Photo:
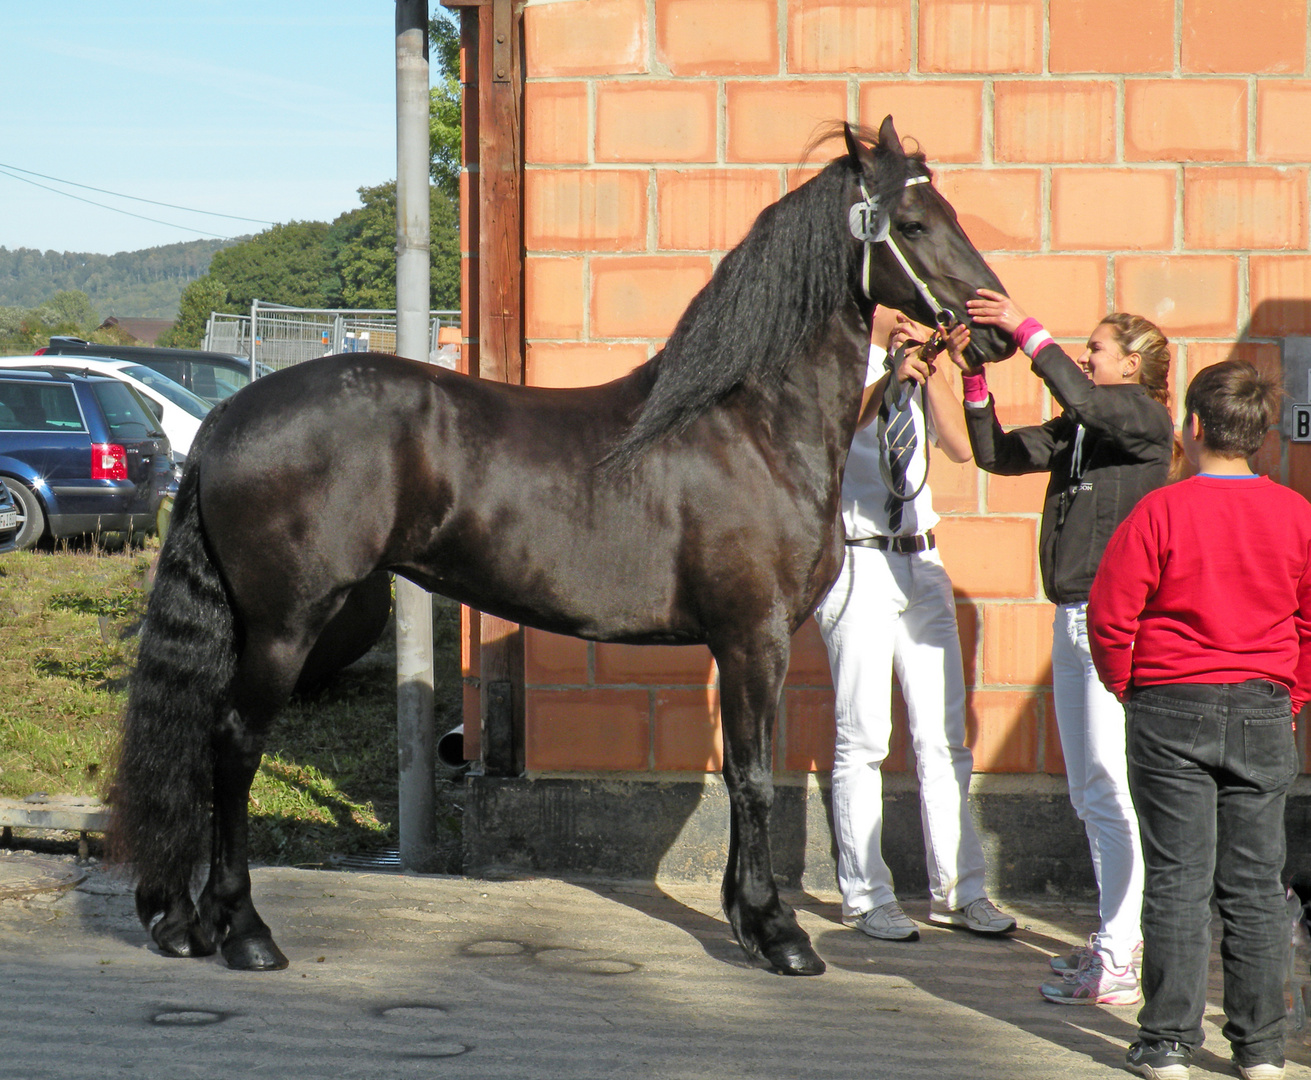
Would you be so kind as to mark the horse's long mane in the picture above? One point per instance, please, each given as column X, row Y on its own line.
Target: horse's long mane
column 766, row 301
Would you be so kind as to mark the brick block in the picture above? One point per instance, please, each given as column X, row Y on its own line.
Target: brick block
column 1066, row 293
column 1017, row 644
column 848, row 36
column 643, row 297
column 944, row 119
column 1245, row 207
column 1282, row 133
column 1238, row 36
column 554, row 659
column 1018, row 394
column 959, row 36
column 728, row 37
column 657, row 121
column 654, row 665
column 1265, row 357
column 1017, row 494
column 688, row 737
column 585, row 210
column 555, row 123
column 711, row 209
column 571, row 730
column 1185, row 295
column 1001, row 727
column 967, row 630
column 587, row 37
column 808, row 663
column 774, row 121
column 810, row 729
column 1111, row 36
column 1278, row 290
column 955, row 487
column 1299, row 472
column 1113, row 209
column 1051, row 121
column 554, row 305
column 1185, row 120
column 999, row 209
column 990, row 557
column 580, row 363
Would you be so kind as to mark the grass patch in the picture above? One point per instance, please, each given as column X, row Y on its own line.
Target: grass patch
column 327, row 784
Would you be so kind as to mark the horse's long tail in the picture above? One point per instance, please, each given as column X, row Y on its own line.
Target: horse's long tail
column 162, row 793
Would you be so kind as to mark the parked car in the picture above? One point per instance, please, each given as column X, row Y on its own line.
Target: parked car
column 178, row 410
column 8, row 521
column 210, row 375
column 80, row 454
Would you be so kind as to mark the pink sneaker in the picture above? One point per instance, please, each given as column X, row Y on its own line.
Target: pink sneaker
column 1096, row 983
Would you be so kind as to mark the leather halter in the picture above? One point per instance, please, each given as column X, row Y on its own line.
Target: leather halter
column 871, row 226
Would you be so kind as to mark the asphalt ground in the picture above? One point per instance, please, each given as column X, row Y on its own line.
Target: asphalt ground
column 425, row 976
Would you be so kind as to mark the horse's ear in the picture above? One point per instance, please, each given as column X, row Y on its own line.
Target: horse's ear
column 858, row 150
column 888, row 137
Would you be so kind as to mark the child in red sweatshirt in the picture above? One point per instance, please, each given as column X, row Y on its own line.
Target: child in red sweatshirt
column 1199, row 619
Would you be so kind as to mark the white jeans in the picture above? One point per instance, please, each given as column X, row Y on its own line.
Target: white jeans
column 889, row 611
column 1091, row 723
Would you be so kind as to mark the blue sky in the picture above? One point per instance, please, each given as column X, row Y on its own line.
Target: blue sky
column 267, row 109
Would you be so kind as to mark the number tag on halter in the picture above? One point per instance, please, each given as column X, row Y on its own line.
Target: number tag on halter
column 866, row 223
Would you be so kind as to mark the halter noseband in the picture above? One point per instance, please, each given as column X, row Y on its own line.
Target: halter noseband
column 870, row 226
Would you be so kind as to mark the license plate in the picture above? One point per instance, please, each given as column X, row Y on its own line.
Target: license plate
column 8, row 519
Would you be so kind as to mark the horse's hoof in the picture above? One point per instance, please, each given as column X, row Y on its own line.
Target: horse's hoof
column 795, row 958
column 254, row 954
column 184, row 942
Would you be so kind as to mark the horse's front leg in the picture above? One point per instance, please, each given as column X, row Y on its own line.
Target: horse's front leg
column 750, row 682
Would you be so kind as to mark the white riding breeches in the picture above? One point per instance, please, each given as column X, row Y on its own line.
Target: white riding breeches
column 891, row 612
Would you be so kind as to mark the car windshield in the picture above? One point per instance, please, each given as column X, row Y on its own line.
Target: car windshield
column 126, row 413
column 179, row 395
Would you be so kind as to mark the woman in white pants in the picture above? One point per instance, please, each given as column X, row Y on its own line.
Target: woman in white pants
column 1111, row 444
column 892, row 608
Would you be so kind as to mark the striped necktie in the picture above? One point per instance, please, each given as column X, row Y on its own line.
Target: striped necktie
column 901, row 448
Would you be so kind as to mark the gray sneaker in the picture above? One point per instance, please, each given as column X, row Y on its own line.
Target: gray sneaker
column 981, row 915
column 888, row 922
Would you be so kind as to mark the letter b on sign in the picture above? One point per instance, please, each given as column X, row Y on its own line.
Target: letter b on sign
column 1301, row 423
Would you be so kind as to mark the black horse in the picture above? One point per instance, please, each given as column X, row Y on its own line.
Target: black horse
column 694, row 500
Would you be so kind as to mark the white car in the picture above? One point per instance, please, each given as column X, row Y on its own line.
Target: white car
column 178, row 410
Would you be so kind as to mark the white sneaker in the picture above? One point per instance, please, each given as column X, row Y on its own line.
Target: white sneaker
column 981, row 915
column 887, row 922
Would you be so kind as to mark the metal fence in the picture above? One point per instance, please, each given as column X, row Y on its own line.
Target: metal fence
column 288, row 335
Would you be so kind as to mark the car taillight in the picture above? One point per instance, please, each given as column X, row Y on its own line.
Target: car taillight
column 40, row 352
column 108, row 462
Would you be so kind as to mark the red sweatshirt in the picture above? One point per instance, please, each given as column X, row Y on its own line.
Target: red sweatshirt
column 1207, row 581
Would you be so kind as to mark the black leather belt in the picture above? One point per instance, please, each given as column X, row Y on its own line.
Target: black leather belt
column 901, row 545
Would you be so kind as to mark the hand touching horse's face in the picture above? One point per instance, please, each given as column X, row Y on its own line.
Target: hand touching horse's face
column 922, row 239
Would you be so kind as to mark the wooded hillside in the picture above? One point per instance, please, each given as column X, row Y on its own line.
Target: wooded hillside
column 143, row 284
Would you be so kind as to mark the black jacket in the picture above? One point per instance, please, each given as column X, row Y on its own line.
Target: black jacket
column 1127, row 444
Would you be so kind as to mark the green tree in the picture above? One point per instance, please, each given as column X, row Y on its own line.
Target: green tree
column 204, row 295
column 362, row 244
column 285, row 264
column 444, row 103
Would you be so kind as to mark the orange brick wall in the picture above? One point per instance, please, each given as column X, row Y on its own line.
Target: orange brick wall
column 1144, row 155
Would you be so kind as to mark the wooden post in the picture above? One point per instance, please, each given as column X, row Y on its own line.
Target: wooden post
column 496, row 217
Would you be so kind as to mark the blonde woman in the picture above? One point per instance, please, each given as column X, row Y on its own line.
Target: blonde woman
column 1110, row 445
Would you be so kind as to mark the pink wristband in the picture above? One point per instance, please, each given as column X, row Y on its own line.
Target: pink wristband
column 1030, row 336
column 975, row 387
column 1026, row 328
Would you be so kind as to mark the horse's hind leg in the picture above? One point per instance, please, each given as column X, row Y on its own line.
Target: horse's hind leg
column 750, row 681
column 265, row 675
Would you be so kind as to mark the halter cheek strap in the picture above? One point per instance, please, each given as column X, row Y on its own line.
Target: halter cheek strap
column 872, row 227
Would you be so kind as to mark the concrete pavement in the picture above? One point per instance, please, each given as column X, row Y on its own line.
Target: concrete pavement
column 404, row 976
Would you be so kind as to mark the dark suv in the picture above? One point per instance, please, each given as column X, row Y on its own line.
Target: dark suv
column 210, row 375
column 80, row 453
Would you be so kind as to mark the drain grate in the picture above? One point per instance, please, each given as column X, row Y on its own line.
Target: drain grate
column 383, row 861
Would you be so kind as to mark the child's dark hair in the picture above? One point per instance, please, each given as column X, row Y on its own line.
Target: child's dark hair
column 1236, row 404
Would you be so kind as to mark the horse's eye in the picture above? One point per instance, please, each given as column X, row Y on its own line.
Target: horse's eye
column 911, row 229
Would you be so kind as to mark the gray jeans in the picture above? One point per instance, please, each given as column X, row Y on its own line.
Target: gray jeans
column 1209, row 768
